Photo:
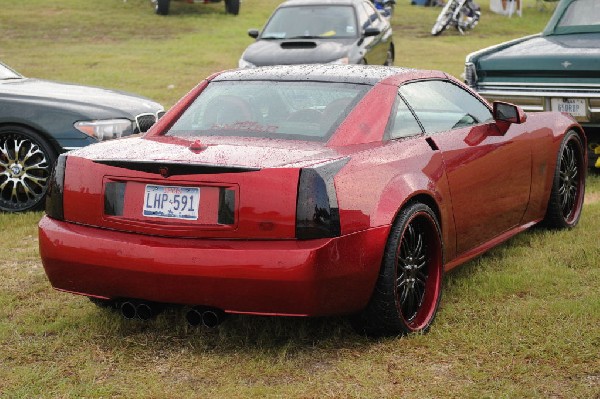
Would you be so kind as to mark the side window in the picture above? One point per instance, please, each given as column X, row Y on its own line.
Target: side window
column 403, row 124
column 441, row 105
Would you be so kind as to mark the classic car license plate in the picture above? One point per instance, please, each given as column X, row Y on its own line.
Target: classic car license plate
column 574, row 106
column 171, row 202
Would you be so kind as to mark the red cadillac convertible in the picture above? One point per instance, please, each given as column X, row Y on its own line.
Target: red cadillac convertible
column 308, row 191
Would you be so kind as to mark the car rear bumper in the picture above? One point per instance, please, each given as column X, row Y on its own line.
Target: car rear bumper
column 288, row 277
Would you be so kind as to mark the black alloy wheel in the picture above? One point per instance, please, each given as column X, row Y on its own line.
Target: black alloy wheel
column 26, row 162
column 568, row 188
column 408, row 291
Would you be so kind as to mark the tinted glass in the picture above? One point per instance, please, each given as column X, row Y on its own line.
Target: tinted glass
column 313, row 21
column 282, row 110
column 403, row 123
column 581, row 12
column 442, row 106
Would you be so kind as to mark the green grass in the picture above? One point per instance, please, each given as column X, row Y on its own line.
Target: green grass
column 520, row 321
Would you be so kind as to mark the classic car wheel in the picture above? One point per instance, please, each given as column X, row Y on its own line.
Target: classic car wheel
column 389, row 60
column 26, row 162
column 162, row 7
column 408, row 290
column 568, row 188
column 232, row 7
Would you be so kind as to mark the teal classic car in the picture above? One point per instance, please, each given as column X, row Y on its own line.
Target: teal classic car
column 556, row 70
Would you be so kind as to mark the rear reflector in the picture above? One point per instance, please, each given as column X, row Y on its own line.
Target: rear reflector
column 114, row 197
column 226, row 206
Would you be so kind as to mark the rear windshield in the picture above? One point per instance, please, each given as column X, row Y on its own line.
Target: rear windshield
column 282, row 110
column 310, row 22
column 581, row 12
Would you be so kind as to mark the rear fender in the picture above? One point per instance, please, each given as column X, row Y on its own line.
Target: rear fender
column 408, row 188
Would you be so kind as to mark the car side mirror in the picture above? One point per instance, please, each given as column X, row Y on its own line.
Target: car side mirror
column 253, row 33
column 507, row 112
column 371, row 32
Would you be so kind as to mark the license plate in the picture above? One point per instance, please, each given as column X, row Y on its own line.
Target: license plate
column 171, row 202
column 574, row 106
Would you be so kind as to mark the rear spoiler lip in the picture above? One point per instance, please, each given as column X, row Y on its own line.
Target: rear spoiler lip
column 167, row 169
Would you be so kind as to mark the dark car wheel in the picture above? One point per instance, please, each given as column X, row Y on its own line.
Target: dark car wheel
column 232, row 7
column 26, row 161
column 408, row 290
column 568, row 187
column 162, row 7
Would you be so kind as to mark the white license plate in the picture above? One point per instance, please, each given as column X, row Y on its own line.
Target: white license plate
column 574, row 106
column 171, row 202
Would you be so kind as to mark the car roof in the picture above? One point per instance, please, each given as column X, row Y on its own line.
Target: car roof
column 359, row 74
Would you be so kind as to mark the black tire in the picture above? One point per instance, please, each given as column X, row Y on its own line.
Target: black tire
column 26, row 162
column 443, row 20
column 232, row 7
column 408, row 290
column 162, row 7
column 568, row 187
column 389, row 59
column 440, row 26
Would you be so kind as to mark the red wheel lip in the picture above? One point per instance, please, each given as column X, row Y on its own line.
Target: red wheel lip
column 581, row 170
column 428, row 309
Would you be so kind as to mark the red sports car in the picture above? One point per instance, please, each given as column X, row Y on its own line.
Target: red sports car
column 308, row 191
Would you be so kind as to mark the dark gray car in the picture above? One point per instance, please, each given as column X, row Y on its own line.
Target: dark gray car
column 40, row 119
column 320, row 32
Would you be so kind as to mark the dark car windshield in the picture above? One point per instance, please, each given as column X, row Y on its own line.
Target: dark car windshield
column 282, row 110
column 7, row 73
column 328, row 21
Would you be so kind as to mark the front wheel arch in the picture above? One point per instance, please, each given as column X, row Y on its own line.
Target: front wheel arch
column 567, row 193
column 407, row 292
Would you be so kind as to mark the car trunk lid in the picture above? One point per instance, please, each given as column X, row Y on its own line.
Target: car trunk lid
column 217, row 189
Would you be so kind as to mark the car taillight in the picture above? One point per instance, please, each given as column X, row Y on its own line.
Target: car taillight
column 317, row 212
column 54, row 195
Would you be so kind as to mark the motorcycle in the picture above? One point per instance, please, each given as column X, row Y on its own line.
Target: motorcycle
column 385, row 7
column 462, row 14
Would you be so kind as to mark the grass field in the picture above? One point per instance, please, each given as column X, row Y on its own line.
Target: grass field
column 521, row 321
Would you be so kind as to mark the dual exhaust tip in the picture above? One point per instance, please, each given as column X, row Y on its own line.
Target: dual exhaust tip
column 198, row 315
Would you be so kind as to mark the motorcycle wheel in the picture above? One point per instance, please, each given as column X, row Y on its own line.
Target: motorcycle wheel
column 443, row 20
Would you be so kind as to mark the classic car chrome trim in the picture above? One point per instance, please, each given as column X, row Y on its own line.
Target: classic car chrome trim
column 595, row 86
